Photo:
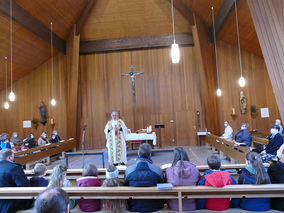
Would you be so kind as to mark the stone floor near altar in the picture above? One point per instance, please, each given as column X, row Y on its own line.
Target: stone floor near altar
column 196, row 154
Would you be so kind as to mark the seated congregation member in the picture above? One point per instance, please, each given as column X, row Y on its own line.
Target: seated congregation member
column 54, row 138
column 278, row 123
column 89, row 179
column 275, row 142
column 228, row 132
column 38, row 179
column 5, row 144
column 29, row 142
column 12, row 175
column 52, row 200
column 276, row 174
column 42, row 139
column 182, row 173
column 216, row 178
column 16, row 141
column 144, row 173
column 58, row 179
column 243, row 137
column 112, row 180
column 254, row 173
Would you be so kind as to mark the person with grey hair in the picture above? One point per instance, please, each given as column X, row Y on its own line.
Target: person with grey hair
column 228, row 132
column 52, row 200
column 144, row 173
column 243, row 137
column 278, row 123
column 5, row 144
column 116, row 132
column 12, row 175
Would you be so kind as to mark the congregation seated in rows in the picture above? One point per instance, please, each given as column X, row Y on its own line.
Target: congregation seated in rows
column 143, row 174
column 16, row 144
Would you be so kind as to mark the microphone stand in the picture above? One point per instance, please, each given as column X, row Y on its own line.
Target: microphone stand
column 83, row 146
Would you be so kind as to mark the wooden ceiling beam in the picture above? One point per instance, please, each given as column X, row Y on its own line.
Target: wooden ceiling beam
column 221, row 17
column 186, row 12
column 84, row 15
column 26, row 20
column 116, row 44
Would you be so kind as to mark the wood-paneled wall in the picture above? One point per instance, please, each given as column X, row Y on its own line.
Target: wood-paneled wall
column 258, row 90
column 165, row 92
column 30, row 91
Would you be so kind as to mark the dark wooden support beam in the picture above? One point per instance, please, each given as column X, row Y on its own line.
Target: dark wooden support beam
column 221, row 17
column 26, row 20
column 164, row 40
column 184, row 10
column 84, row 15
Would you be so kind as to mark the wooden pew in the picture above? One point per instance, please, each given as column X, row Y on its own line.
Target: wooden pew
column 179, row 192
column 258, row 140
column 228, row 147
column 41, row 152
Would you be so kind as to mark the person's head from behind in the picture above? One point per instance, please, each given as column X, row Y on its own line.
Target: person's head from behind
column 111, row 172
column 274, row 129
column 90, row 170
column 244, row 126
column 254, row 159
column 40, row 170
column 144, row 150
column 115, row 115
column 214, row 162
column 277, row 122
column 179, row 155
column 7, row 155
column 58, row 176
column 52, row 200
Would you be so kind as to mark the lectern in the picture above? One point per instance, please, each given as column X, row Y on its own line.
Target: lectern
column 158, row 128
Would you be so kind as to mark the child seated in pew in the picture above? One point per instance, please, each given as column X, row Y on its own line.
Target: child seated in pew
column 114, row 206
column 254, row 173
column 58, row 179
column 182, row 173
column 38, row 180
column 89, row 179
column 216, row 178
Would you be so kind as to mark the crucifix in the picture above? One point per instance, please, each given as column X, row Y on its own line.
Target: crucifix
column 132, row 74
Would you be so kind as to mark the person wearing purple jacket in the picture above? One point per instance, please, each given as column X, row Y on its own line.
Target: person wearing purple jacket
column 89, row 179
column 182, row 173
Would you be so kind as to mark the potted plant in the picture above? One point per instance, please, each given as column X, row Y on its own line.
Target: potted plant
column 253, row 110
column 35, row 123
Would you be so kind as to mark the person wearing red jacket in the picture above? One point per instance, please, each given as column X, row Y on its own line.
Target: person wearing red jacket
column 216, row 178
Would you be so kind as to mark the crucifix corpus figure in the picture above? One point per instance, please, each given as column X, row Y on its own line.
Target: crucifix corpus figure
column 132, row 74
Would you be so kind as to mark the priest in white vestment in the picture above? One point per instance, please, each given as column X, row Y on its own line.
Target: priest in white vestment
column 228, row 132
column 116, row 132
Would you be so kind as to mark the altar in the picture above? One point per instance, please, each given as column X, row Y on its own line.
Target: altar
column 138, row 138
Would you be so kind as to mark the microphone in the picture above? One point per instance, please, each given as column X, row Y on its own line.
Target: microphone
column 84, row 126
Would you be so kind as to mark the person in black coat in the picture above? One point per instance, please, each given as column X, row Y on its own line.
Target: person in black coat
column 276, row 173
column 12, row 175
column 275, row 141
column 243, row 137
column 55, row 137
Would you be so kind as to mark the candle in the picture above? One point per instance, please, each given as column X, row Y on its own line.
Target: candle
column 233, row 111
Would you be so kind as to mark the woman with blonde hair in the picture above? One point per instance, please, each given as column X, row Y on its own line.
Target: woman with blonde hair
column 114, row 206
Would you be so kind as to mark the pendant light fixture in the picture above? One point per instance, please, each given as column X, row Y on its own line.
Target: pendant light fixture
column 175, row 52
column 219, row 91
column 6, row 104
column 53, row 101
column 12, row 94
column 242, row 81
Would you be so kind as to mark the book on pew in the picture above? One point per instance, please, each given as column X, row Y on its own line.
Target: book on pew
column 165, row 186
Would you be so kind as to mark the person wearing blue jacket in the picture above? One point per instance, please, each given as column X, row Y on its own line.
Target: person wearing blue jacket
column 243, row 137
column 275, row 141
column 5, row 144
column 254, row 173
column 144, row 173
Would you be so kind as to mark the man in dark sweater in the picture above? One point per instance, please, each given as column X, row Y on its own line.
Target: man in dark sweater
column 276, row 173
column 275, row 141
column 243, row 137
column 12, row 175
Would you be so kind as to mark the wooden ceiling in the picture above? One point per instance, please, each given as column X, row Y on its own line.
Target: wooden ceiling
column 111, row 19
